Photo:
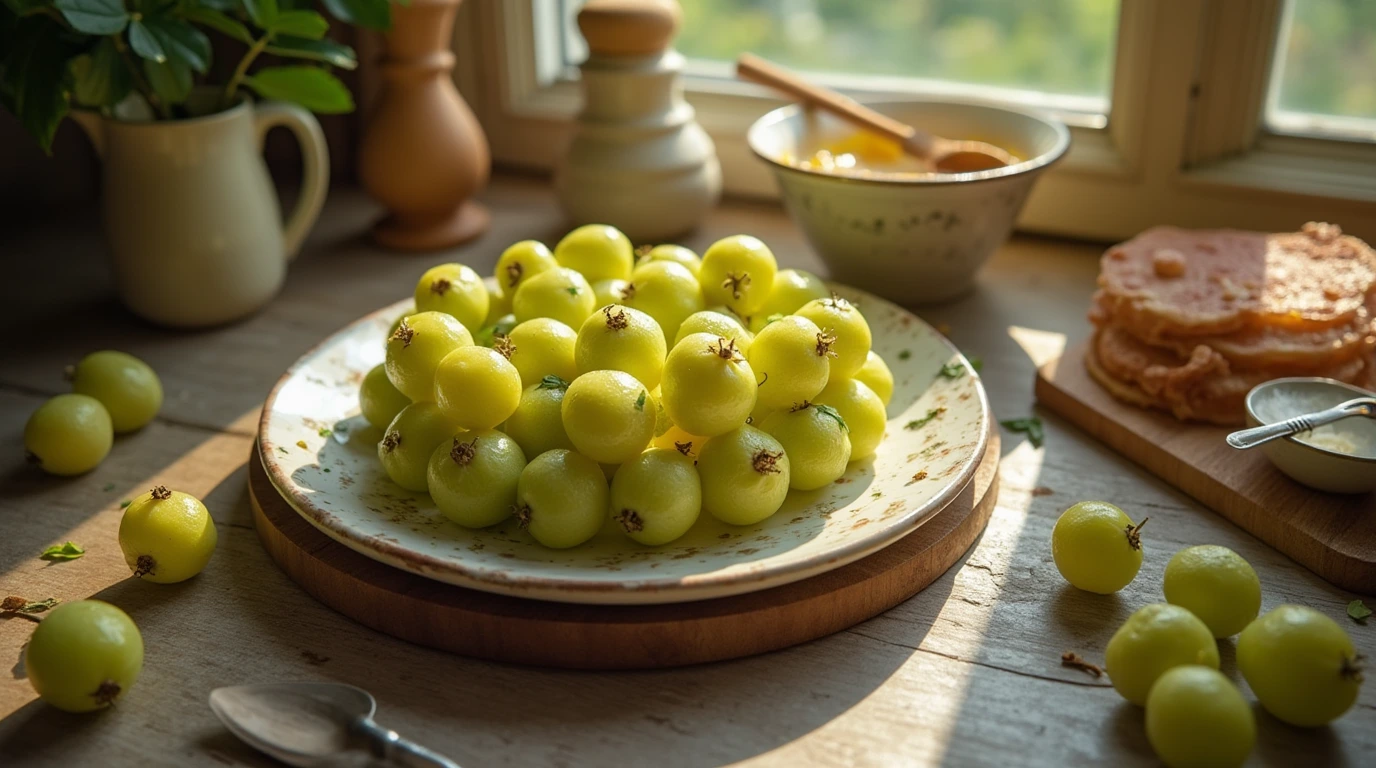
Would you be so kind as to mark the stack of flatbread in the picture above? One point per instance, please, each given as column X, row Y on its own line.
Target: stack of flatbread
column 1188, row 321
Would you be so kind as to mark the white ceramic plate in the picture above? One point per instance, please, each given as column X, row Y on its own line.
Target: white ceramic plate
column 322, row 456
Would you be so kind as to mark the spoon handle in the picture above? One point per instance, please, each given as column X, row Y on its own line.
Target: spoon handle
column 1251, row 438
column 755, row 69
column 388, row 745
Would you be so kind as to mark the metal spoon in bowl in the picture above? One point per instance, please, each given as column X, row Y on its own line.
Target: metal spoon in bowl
column 309, row 723
column 942, row 154
column 1251, row 438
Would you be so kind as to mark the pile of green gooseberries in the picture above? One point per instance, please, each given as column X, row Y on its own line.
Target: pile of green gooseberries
column 600, row 385
column 112, row 392
column 1300, row 664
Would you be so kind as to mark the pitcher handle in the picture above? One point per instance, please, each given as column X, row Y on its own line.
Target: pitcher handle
column 315, row 161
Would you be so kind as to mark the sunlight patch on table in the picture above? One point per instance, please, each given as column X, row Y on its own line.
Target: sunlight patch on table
column 1041, row 346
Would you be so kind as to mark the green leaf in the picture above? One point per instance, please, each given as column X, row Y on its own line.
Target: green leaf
column 171, row 80
column 94, row 17
column 1030, row 426
column 180, row 40
column 100, row 79
column 904, row 354
column 263, row 12
column 373, row 14
column 324, row 432
column 125, row 504
column 313, row 88
column 977, row 364
column 952, row 370
column 640, row 401
column 218, row 21
column 35, row 76
column 68, row 551
column 1358, row 611
column 827, row 410
column 328, row 51
column 553, row 382
column 307, row 24
column 922, row 422
column 143, row 42
column 15, row 604
column 225, row 6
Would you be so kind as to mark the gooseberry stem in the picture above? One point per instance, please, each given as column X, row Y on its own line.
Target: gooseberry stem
column 1134, row 533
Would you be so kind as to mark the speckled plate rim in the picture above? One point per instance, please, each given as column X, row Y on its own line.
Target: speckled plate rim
column 630, row 591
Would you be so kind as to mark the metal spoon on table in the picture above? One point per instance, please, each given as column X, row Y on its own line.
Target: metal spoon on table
column 309, row 723
column 944, row 155
column 1251, row 438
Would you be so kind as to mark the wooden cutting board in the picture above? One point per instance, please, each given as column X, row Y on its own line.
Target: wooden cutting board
column 1333, row 535
column 501, row 628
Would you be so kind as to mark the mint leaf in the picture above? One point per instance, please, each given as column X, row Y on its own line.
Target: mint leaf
column 170, row 79
column 324, row 432
column 125, row 504
column 328, row 51
column 143, row 42
column 1030, row 426
column 373, row 14
column 952, row 370
column 553, row 382
column 94, row 17
column 35, row 77
column 922, row 422
column 573, row 290
column 263, row 12
column 16, row 604
column 904, row 354
column 68, row 551
column 307, row 24
column 218, row 21
column 311, row 87
column 180, row 40
column 1358, row 611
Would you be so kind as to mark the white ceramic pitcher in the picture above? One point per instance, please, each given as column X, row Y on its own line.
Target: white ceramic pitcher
column 192, row 221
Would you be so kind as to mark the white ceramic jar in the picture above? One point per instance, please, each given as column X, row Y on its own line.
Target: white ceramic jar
column 638, row 160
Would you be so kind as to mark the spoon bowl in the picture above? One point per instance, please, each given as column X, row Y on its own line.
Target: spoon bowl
column 938, row 153
column 297, row 723
column 311, row 723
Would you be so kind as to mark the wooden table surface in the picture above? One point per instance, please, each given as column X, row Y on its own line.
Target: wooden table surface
column 966, row 673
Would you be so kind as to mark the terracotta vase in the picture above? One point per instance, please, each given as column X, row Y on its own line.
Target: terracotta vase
column 423, row 154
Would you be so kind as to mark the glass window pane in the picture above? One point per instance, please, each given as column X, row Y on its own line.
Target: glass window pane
column 1052, row 47
column 1325, row 75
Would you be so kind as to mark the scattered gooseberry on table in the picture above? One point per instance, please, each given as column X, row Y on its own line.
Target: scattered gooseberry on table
column 128, row 388
column 1156, row 638
column 1301, row 665
column 167, row 536
column 1097, row 547
column 84, row 656
column 69, row 435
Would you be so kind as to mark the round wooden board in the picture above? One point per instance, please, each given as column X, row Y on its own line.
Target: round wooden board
column 574, row 636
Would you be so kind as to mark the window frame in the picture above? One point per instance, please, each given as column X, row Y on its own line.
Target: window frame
column 1184, row 143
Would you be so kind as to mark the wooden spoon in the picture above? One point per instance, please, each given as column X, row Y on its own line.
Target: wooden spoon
column 944, row 155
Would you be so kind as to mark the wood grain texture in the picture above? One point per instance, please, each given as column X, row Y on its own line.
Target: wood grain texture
column 499, row 628
column 1331, row 534
column 965, row 673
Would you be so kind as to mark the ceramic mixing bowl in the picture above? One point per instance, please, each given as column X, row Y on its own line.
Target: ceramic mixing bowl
column 912, row 238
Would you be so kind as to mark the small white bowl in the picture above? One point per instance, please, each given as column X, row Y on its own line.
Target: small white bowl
column 912, row 238
column 1312, row 465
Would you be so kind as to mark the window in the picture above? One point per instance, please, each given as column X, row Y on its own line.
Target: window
column 1256, row 114
column 1055, row 53
column 1324, row 83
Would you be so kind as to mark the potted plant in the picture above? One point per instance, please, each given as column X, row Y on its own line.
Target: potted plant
column 190, row 213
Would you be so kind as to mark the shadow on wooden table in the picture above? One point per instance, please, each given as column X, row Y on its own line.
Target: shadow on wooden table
column 241, row 621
